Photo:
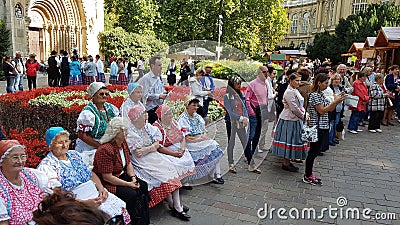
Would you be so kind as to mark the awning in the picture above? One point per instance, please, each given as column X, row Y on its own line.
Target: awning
column 277, row 57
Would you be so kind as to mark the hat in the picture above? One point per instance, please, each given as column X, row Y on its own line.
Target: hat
column 162, row 110
column 210, row 67
column 6, row 146
column 136, row 112
column 190, row 99
column 132, row 87
column 94, row 88
column 53, row 132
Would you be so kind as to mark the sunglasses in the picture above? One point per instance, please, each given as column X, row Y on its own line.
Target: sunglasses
column 116, row 220
column 104, row 94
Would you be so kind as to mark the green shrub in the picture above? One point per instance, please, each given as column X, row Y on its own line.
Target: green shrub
column 226, row 69
column 120, row 42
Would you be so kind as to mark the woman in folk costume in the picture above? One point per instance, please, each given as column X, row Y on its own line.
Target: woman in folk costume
column 21, row 189
column 150, row 165
column 93, row 120
column 66, row 167
column 173, row 143
column 135, row 94
column 205, row 152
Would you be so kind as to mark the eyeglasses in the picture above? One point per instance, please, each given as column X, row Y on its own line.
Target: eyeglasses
column 104, row 94
column 15, row 158
column 115, row 220
column 61, row 143
column 265, row 71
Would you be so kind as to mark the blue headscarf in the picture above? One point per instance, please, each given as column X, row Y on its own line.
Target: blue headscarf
column 52, row 132
column 132, row 87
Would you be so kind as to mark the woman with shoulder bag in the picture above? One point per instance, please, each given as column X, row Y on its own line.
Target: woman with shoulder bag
column 334, row 116
column 319, row 107
column 236, row 118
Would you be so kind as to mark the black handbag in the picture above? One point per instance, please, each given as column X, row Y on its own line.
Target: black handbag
column 340, row 126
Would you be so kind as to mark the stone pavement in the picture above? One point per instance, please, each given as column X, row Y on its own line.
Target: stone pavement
column 365, row 169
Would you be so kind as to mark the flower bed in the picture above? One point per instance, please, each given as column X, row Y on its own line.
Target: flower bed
column 27, row 115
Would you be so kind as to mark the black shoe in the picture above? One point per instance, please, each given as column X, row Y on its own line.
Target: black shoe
column 181, row 215
column 189, row 188
column 320, row 154
column 297, row 161
column 336, row 142
column 291, row 164
column 290, row 168
column 184, row 207
column 218, row 181
column 332, row 144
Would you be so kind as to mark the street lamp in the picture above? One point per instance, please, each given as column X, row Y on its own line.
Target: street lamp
column 219, row 48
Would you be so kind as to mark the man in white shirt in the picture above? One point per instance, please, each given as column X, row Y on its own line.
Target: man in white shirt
column 20, row 67
column 100, row 70
column 153, row 88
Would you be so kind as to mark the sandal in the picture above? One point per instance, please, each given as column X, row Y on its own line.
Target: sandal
column 254, row 170
column 232, row 168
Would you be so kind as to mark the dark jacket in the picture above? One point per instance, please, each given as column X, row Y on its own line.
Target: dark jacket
column 390, row 84
column 8, row 70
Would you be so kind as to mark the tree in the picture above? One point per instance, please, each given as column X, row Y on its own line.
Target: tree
column 119, row 42
column 251, row 25
column 4, row 38
column 324, row 46
column 356, row 28
column 137, row 16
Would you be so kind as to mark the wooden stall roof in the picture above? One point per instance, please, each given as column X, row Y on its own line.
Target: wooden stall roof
column 356, row 46
column 388, row 37
column 290, row 52
column 368, row 54
column 369, row 42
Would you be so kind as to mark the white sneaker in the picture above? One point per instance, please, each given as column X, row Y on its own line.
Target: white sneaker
column 378, row 130
column 372, row 131
column 359, row 130
column 260, row 150
column 353, row 131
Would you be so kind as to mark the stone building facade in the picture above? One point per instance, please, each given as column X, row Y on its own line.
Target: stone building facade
column 310, row 17
column 40, row 26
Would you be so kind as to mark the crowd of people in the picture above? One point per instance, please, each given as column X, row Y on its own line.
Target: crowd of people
column 64, row 70
column 130, row 159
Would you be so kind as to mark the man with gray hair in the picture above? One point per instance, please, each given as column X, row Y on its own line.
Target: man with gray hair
column 20, row 68
column 342, row 69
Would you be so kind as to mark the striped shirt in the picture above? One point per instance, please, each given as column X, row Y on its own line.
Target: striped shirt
column 314, row 100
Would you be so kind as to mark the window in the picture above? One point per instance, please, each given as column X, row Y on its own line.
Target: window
column 306, row 22
column 359, row 6
column 331, row 11
column 293, row 26
column 313, row 20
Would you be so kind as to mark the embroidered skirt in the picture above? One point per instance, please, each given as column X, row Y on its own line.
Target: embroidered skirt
column 113, row 79
column 122, row 80
column 101, row 77
column 75, row 80
column 287, row 142
column 88, row 80
column 206, row 154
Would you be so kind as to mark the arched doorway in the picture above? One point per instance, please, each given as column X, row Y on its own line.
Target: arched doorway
column 56, row 25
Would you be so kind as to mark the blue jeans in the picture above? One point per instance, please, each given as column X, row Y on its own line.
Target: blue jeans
column 332, row 127
column 254, row 137
column 354, row 119
column 10, row 84
column 18, row 85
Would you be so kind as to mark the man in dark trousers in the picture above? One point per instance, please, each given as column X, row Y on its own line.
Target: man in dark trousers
column 64, row 69
column 184, row 73
column 53, row 70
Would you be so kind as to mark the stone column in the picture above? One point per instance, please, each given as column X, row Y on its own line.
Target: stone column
column 338, row 14
column 318, row 15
